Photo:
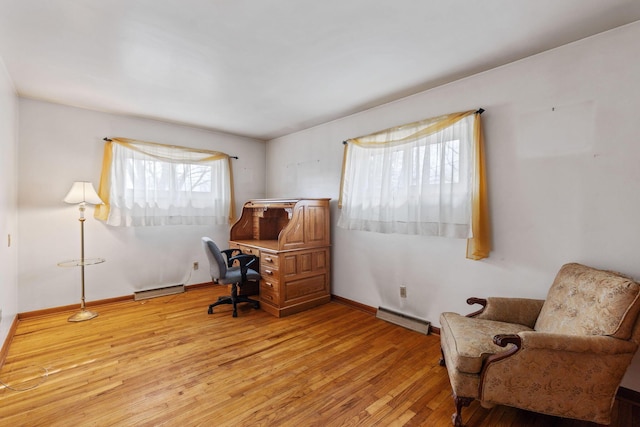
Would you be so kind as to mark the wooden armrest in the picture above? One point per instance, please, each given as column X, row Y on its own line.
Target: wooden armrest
column 474, row 300
column 523, row 311
column 532, row 340
column 504, row 340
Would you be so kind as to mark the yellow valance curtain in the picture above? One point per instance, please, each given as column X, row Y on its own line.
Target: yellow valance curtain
column 145, row 183
column 413, row 164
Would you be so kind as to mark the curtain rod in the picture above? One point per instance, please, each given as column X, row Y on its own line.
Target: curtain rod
column 109, row 140
column 479, row 111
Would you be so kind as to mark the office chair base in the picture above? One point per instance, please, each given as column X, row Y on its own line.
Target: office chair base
column 234, row 301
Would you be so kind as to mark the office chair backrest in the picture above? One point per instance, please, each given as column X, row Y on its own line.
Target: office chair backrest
column 217, row 263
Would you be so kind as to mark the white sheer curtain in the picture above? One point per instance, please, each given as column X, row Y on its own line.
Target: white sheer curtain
column 145, row 184
column 412, row 179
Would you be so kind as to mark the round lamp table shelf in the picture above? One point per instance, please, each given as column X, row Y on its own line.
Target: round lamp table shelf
column 83, row 314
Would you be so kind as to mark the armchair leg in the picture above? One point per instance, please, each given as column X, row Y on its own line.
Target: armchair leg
column 442, row 362
column 460, row 402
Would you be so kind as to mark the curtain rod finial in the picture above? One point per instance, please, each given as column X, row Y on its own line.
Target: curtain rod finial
column 106, row 139
column 480, row 110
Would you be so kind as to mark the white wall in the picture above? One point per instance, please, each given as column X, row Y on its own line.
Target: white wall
column 8, row 202
column 59, row 145
column 561, row 133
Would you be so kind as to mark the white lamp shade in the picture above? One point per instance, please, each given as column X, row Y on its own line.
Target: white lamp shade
column 82, row 192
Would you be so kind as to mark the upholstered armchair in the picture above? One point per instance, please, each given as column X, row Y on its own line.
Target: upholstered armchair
column 563, row 356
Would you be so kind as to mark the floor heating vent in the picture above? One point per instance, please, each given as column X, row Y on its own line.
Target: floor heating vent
column 158, row 292
column 403, row 320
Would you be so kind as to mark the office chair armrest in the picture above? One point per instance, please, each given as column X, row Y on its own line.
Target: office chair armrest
column 245, row 261
column 229, row 254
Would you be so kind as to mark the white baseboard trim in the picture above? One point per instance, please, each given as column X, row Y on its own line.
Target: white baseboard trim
column 158, row 292
column 409, row 322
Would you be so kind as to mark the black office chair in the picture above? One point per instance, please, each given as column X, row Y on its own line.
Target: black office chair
column 224, row 272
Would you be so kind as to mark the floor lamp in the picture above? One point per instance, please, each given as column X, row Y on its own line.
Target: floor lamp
column 82, row 194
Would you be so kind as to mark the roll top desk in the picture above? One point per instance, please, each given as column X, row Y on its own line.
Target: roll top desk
column 292, row 239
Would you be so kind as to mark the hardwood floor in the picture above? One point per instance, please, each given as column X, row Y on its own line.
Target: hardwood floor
column 165, row 361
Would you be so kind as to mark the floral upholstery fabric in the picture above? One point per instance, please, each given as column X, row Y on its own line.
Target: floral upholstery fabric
column 570, row 365
column 567, row 384
column 523, row 311
column 586, row 301
column 462, row 384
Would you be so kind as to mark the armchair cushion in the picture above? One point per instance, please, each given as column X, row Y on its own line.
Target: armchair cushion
column 586, row 301
column 471, row 340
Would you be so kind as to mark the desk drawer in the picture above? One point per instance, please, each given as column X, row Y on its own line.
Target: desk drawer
column 269, row 260
column 249, row 250
column 269, row 273
column 270, row 291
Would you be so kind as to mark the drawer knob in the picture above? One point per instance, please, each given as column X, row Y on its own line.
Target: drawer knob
column 269, row 284
column 269, row 272
column 268, row 259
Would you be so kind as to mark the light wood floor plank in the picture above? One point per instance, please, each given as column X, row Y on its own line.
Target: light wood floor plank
column 166, row 362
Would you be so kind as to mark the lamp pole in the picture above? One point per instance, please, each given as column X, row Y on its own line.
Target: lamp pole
column 82, row 193
column 83, row 314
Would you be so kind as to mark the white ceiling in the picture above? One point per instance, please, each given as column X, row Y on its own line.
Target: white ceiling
column 266, row 68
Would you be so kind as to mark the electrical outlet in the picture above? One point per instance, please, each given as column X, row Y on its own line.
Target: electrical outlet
column 195, row 265
column 403, row 291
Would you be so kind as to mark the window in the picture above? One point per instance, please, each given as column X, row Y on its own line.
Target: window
column 423, row 178
column 444, row 162
column 152, row 184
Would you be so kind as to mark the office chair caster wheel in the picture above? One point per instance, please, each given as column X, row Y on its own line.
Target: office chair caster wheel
column 235, row 313
column 256, row 305
column 210, row 311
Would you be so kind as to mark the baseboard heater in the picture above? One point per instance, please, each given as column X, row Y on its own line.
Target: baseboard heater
column 413, row 323
column 158, row 292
